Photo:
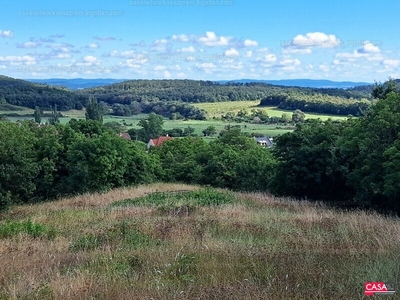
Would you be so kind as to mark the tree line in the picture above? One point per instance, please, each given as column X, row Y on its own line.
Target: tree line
column 173, row 98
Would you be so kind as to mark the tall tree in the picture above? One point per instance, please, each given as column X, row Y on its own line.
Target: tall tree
column 382, row 90
column 94, row 111
column 55, row 116
column 38, row 115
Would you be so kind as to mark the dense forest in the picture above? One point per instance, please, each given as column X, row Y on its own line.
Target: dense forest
column 27, row 94
column 318, row 103
column 350, row 163
column 173, row 98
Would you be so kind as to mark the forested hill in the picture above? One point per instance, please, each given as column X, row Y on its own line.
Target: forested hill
column 194, row 91
column 365, row 90
column 175, row 96
column 28, row 94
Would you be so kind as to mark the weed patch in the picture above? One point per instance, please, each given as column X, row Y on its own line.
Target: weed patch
column 36, row 230
column 182, row 203
column 123, row 235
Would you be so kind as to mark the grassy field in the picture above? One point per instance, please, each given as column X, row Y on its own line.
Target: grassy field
column 160, row 242
column 217, row 109
column 199, row 126
column 213, row 110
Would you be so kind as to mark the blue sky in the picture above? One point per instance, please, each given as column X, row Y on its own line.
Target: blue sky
column 201, row 39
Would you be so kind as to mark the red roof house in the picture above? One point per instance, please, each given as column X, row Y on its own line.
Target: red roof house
column 158, row 141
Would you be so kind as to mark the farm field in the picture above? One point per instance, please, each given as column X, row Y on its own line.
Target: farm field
column 174, row 241
column 199, row 126
column 213, row 110
column 216, row 109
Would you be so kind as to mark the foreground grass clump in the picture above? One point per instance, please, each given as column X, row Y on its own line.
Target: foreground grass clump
column 14, row 228
column 170, row 241
column 179, row 201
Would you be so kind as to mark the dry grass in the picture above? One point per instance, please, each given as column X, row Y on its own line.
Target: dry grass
column 255, row 247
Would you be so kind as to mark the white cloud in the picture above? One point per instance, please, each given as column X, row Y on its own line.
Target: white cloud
column 159, row 68
column 369, row 48
column 188, row 49
column 231, row 52
column 6, row 34
column 132, row 63
column 160, row 42
column 167, row 74
column 393, row 63
column 249, row 43
column 90, row 59
column 356, row 55
column 93, row 46
column 249, row 53
column 180, row 38
column 296, row 51
column 314, row 39
column 324, row 68
column 64, row 55
column 28, row 45
column 293, row 62
column 26, row 59
column 237, row 66
column 269, row 58
column 206, row 67
column 211, row 40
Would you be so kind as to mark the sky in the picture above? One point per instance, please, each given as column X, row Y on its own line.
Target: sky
column 201, row 39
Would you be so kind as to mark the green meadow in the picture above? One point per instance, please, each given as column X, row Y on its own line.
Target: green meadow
column 214, row 112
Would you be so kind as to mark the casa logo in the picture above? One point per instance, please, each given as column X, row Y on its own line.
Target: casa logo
column 380, row 288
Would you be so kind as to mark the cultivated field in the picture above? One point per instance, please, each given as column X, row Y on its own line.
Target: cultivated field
column 217, row 109
column 171, row 241
column 199, row 126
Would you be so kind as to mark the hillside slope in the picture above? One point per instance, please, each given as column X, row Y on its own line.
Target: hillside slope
column 28, row 94
column 171, row 241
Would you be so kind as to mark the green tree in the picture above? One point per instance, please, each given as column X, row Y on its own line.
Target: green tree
column 55, row 116
column 286, row 118
column 38, row 115
column 372, row 143
column 151, row 127
column 298, row 116
column 87, row 127
column 310, row 163
column 94, row 111
column 209, row 131
column 107, row 161
column 18, row 164
column 381, row 91
column 188, row 131
column 115, row 126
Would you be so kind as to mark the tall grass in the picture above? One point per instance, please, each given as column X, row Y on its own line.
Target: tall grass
column 133, row 244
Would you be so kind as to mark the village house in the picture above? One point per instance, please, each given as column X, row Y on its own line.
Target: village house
column 158, row 141
column 264, row 141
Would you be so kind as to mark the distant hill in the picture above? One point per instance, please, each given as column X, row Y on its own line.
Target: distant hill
column 312, row 83
column 367, row 89
column 28, row 94
column 76, row 83
column 172, row 98
column 80, row 83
